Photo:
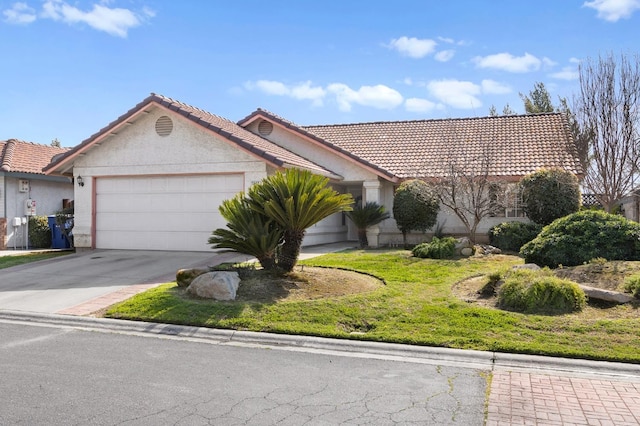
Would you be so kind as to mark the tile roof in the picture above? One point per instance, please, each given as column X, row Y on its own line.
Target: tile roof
column 516, row 145
column 26, row 157
column 246, row 140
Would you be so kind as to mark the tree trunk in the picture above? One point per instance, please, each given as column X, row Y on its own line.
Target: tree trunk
column 290, row 250
column 362, row 237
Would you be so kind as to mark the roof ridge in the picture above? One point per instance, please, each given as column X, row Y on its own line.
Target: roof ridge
column 424, row 120
column 7, row 155
column 14, row 141
column 184, row 105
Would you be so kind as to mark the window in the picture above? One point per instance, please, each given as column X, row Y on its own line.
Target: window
column 506, row 200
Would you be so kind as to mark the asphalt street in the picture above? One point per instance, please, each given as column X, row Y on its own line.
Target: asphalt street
column 53, row 374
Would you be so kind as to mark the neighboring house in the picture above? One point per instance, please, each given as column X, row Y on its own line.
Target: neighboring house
column 22, row 179
column 154, row 177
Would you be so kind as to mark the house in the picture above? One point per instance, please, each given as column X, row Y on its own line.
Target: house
column 154, row 177
column 22, row 179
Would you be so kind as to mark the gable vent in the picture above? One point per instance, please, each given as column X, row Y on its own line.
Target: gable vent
column 164, row 126
column 265, row 128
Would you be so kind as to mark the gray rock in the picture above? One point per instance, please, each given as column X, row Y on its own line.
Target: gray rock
column 466, row 251
column 531, row 266
column 607, row 295
column 218, row 285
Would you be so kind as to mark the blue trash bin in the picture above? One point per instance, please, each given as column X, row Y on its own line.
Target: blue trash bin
column 58, row 239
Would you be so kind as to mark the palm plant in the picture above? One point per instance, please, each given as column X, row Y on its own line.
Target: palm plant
column 366, row 216
column 295, row 200
column 248, row 232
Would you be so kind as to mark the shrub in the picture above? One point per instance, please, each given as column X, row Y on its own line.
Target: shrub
column 437, row 248
column 415, row 207
column 540, row 292
column 549, row 194
column 39, row 232
column 632, row 285
column 366, row 216
column 580, row 237
column 511, row 236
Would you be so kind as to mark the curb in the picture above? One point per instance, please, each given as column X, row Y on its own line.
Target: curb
column 485, row 360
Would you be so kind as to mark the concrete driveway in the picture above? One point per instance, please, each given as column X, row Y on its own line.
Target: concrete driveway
column 57, row 284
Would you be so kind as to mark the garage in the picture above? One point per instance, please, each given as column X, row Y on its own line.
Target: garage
column 161, row 212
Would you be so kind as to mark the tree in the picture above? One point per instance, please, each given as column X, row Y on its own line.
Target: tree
column 366, row 216
column 507, row 110
column 608, row 115
column 467, row 190
column 415, row 207
column 270, row 221
column 295, row 200
column 549, row 194
column 248, row 232
column 538, row 101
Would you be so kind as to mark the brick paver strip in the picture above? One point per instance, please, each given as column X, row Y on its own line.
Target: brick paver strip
column 94, row 305
column 521, row 398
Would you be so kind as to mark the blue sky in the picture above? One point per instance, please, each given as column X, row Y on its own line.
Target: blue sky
column 69, row 67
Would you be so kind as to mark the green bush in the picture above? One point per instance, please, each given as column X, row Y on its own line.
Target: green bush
column 39, row 232
column 540, row 292
column 511, row 236
column 632, row 285
column 415, row 207
column 437, row 248
column 580, row 237
column 549, row 194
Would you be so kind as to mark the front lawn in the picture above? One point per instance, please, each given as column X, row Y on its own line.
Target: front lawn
column 19, row 259
column 416, row 306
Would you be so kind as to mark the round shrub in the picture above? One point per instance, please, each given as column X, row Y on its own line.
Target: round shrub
column 415, row 207
column 510, row 236
column 39, row 232
column 437, row 248
column 541, row 293
column 577, row 238
column 549, row 194
column 632, row 285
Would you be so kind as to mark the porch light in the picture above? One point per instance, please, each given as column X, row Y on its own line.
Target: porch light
column 80, row 181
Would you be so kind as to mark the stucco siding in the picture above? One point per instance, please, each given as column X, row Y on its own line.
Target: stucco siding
column 48, row 196
column 137, row 150
column 349, row 170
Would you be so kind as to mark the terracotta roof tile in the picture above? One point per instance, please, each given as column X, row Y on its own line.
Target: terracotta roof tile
column 251, row 142
column 26, row 157
column 516, row 145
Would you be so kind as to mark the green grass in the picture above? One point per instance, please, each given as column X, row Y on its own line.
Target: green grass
column 20, row 259
column 416, row 306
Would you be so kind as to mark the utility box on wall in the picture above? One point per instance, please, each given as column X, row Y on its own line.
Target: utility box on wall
column 30, row 207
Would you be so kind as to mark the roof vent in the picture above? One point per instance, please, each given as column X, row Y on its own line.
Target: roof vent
column 265, row 128
column 164, row 126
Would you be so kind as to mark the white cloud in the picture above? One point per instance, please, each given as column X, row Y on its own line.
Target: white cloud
column 613, row 10
column 567, row 73
column 412, row 47
column 379, row 96
column 113, row 21
column 444, row 55
column 19, row 13
column 508, row 62
column 456, row 93
column 300, row 91
column 491, row 87
column 419, row 105
column 548, row 63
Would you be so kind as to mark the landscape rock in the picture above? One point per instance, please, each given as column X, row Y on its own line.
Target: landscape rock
column 466, row 251
column 606, row 295
column 481, row 249
column 464, row 247
column 531, row 266
column 184, row 277
column 218, row 285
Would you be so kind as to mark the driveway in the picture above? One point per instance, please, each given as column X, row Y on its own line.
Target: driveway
column 56, row 284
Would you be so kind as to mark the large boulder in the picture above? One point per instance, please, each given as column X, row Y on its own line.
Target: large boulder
column 218, row 285
column 184, row 277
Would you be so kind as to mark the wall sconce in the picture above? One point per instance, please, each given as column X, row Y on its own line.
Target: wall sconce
column 80, row 181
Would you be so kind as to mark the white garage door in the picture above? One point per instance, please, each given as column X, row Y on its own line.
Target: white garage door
column 161, row 212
